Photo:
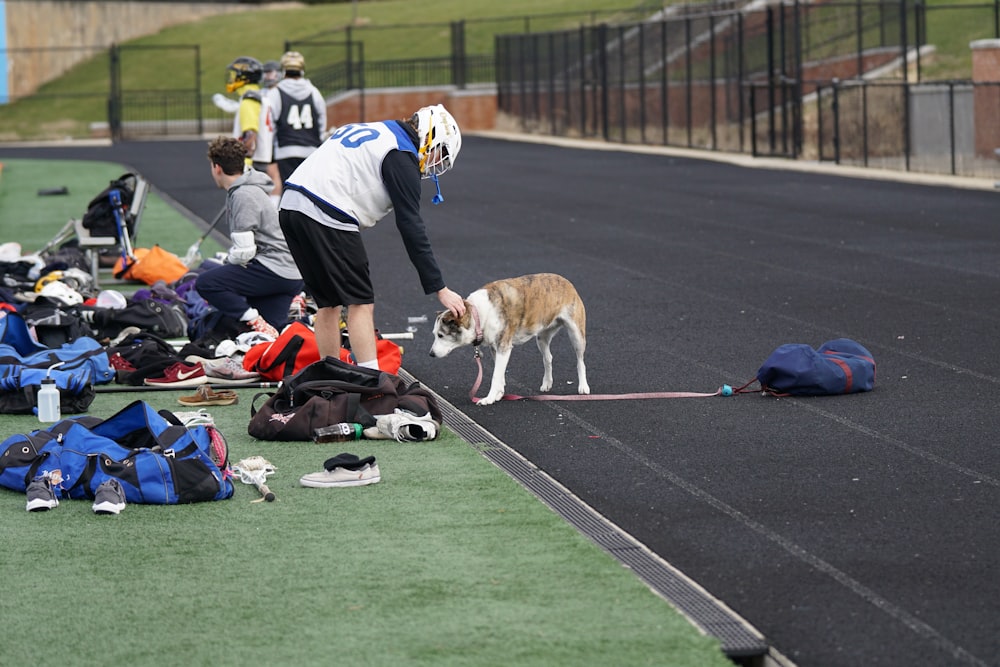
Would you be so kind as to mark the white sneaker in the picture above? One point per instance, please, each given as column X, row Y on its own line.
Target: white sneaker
column 369, row 474
column 402, row 426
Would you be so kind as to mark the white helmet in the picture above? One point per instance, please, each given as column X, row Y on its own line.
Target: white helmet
column 440, row 140
column 61, row 293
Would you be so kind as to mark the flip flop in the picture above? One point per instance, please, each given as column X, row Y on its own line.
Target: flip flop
column 205, row 395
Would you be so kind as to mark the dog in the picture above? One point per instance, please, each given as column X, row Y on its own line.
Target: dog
column 505, row 313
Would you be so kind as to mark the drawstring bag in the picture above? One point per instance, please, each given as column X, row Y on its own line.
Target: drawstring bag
column 840, row 366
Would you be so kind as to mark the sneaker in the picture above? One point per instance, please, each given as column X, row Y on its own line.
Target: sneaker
column 229, row 371
column 197, row 418
column 123, row 367
column 41, row 497
column 260, row 325
column 401, row 426
column 368, row 474
column 180, row 374
column 109, row 498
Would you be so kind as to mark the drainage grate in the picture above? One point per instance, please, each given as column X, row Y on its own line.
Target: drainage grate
column 738, row 638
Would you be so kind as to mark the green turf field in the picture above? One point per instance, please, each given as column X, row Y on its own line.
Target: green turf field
column 446, row 561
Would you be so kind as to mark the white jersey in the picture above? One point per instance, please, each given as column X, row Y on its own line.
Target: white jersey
column 345, row 175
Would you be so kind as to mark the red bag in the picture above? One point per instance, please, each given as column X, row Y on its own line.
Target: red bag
column 293, row 350
column 390, row 356
column 296, row 348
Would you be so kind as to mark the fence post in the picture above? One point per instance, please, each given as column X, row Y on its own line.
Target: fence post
column 835, row 108
column 458, row 62
column 115, row 94
column 197, row 88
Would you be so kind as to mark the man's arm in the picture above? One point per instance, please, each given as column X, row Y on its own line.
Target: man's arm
column 401, row 176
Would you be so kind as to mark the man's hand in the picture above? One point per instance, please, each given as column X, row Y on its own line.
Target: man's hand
column 451, row 301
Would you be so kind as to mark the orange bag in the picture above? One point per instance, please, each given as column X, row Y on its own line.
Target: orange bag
column 150, row 265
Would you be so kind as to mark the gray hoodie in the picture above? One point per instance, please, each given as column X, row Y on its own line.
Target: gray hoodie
column 249, row 209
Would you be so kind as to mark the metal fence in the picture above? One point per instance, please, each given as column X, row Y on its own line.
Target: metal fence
column 787, row 80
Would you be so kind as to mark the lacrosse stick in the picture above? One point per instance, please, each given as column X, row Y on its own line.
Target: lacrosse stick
column 254, row 470
column 194, row 252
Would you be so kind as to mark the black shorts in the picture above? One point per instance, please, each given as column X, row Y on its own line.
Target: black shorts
column 333, row 263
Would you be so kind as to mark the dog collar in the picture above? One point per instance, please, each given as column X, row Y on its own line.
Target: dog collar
column 479, row 327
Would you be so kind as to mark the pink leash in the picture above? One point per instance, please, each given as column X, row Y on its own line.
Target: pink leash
column 724, row 390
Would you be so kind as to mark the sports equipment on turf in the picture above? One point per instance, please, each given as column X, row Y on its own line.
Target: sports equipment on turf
column 193, row 253
column 255, row 470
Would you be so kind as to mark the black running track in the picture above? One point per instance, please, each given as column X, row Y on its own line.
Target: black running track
column 853, row 530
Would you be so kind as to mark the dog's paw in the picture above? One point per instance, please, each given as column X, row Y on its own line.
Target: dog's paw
column 545, row 386
column 489, row 399
column 583, row 389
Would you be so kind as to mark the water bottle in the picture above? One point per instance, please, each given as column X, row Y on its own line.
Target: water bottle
column 342, row 432
column 48, row 401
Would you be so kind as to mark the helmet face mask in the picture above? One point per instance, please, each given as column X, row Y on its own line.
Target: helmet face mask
column 242, row 72
column 271, row 73
column 440, row 140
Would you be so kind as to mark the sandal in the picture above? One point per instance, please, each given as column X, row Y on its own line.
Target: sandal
column 205, row 395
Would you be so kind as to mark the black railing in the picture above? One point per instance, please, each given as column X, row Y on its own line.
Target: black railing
column 784, row 81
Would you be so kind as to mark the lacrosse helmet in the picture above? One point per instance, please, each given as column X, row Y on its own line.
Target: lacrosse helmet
column 440, row 140
column 78, row 279
column 49, row 277
column 61, row 293
column 242, row 72
column 293, row 60
column 271, row 73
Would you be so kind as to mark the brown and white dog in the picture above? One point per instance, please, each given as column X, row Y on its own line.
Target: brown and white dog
column 509, row 312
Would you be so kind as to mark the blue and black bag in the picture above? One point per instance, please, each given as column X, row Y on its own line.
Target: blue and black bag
column 840, row 366
column 76, row 367
column 156, row 461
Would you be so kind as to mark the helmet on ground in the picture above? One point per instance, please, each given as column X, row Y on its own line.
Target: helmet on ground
column 293, row 60
column 49, row 277
column 110, row 298
column 271, row 73
column 241, row 72
column 440, row 140
column 78, row 279
column 61, row 293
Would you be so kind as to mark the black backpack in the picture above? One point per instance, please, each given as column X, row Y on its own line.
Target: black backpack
column 100, row 217
column 150, row 315
column 53, row 325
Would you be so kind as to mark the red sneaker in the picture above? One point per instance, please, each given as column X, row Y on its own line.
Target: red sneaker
column 180, row 375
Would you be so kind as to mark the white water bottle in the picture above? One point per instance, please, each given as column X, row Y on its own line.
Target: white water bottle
column 49, row 409
column 48, row 402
